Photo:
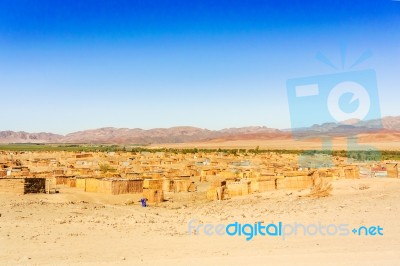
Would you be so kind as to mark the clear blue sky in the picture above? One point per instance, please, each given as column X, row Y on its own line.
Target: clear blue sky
column 74, row 65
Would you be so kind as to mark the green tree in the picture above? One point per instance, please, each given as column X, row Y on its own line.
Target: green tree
column 104, row 168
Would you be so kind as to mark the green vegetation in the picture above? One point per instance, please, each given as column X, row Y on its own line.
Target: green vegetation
column 104, row 168
column 357, row 155
column 60, row 147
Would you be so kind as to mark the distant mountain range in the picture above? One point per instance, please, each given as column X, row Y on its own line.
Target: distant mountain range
column 109, row 135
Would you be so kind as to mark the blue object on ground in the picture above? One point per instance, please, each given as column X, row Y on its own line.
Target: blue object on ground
column 144, row 202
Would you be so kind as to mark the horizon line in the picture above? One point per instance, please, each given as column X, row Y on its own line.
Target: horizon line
column 183, row 126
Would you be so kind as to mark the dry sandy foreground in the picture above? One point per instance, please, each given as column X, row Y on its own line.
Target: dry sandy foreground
column 78, row 228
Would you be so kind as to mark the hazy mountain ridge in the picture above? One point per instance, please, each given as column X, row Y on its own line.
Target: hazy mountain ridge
column 25, row 137
column 110, row 135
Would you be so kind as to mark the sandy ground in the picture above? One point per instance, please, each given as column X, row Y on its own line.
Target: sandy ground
column 78, row 228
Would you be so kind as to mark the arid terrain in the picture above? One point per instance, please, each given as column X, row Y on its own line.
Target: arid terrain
column 383, row 134
column 81, row 228
column 376, row 141
column 92, row 214
column 254, row 132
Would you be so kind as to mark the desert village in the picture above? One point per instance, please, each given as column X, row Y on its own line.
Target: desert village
column 155, row 175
